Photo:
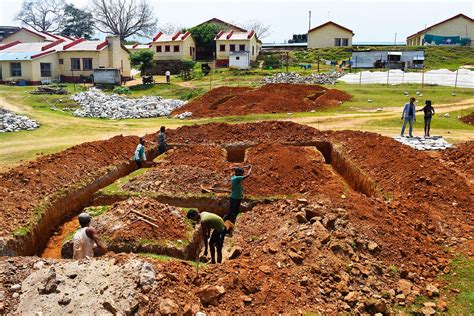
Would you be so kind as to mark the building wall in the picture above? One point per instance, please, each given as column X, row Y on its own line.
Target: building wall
column 325, row 36
column 22, row 36
column 99, row 59
column 183, row 53
column 118, row 56
column 456, row 27
column 26, row 71
column 36, row 67
column 249, row 43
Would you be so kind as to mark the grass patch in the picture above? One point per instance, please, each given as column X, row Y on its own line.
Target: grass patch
column 460, row 278
column 168, row 258
column 116, row 187
column 95, row 211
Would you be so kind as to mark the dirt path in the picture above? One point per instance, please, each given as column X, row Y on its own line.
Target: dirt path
column 186, row 84
column 10, row 106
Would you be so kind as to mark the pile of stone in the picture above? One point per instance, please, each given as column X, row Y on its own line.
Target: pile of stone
column 95, row 103
column 183, row 115
column 11, row 122
column 424, row 143
column 291, row 77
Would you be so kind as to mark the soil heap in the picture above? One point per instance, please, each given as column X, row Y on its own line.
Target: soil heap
column 468, row 119
column 270, row 98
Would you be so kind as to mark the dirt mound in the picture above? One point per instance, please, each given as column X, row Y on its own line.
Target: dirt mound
column 286, row 170
column 219, row 133
column 118, row 225
column 461, row 158
column 24, row 188
column 271, row 98
column 468, row 119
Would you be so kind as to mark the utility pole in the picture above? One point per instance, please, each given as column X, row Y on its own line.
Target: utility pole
column 395, row 42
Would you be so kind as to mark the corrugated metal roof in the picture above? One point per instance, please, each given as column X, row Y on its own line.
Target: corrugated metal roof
column 17, row 56
column 85, row 46
column 234, row 36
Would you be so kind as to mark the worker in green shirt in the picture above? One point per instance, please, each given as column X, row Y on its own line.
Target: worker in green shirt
column 139, row 157
column 237, row 192
column 210, row 221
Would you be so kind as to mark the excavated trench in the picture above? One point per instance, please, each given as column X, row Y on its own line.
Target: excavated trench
column 72, row 203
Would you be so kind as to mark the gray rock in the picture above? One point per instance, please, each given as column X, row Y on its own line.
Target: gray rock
column 95, row 103
column 15, row 287
column 11, row 122
column 147, row 274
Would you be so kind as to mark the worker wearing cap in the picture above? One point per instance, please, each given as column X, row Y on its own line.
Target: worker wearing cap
column 219, row 229
column 84, row 239
column 237, row 192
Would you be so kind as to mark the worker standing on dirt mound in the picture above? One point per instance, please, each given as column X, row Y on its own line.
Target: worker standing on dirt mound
column 237, row 192
column 429, row 111
column 216, row 223
column 408, row 115
column 161, row 141
column 139, row 157
column 84, row 239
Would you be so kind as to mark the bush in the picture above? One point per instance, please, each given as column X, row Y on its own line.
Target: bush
column 272, row 61
column 121, row 90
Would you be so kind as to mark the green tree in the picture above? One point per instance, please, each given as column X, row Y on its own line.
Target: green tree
column 204, row 35
column 77, row 22
column 143, row 59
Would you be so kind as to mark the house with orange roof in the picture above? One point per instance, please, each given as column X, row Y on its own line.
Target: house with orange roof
column 329, row 34
column 234, row 43
column 39, row 57
column 178, row 46
column 457, row 30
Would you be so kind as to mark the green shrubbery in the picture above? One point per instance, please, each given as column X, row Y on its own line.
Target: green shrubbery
column 121, row 90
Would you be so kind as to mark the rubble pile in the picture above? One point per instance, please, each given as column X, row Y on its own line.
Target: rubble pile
column 96, row 103
column 291, row 77
column 11, row 122
column 424, row 143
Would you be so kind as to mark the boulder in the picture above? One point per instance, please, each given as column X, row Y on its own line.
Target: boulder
column 210, row 294
column 168, row 307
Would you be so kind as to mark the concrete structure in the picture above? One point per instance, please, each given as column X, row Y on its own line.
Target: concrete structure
column 389, row 59
column 179, row 46
column 65, row 59
column 229, row 42
column 329, row 34
column 457, row 30
column 239, row 60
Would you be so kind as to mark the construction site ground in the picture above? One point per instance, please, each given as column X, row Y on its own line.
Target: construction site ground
column 334, row 222
column 337, row 216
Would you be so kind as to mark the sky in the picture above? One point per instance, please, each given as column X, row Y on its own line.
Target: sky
column 370, row 20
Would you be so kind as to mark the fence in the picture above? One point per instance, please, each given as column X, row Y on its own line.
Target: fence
column 462, row 78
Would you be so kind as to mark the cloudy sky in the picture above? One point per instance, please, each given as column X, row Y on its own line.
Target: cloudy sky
column 371, row 20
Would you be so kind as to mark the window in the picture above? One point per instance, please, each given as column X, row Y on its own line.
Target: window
column 393, row 57
column 337, row 42
column 75, row 64
column 242, row 47
column 191, row 51
column 167, row 48
column 232, row 47
column 45, row 69
column 15, row 69
column 345, row 42
column 253, row 50
column 158, row 49
column 237, row 57
column 222, row 48
column 61, row 61
column 86, row 63
column 176, row 48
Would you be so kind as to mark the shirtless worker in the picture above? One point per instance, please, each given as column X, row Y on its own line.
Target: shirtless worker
column 216, row 223
column 84, row 239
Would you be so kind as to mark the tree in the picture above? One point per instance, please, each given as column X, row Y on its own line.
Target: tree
column 204, row 35
column 169, row 28
column 42, row 15
column 260, row 29
column 124, row 17
column 143, row 59
column 77, row 22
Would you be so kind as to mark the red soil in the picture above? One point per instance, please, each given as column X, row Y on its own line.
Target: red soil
column 461, row 158
column 24, row 188
column 220, row 133
column 271, row 98
column 170, row 220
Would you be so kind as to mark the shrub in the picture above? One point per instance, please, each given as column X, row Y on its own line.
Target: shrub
column 121, row 90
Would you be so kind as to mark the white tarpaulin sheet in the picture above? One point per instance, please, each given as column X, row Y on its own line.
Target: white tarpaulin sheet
column 442, row 77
